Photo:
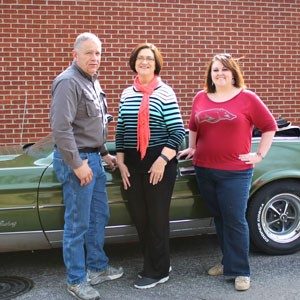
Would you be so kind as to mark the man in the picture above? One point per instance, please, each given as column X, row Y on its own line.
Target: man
column 78, row 124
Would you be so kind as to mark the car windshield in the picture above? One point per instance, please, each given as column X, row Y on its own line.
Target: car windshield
column 41, row 148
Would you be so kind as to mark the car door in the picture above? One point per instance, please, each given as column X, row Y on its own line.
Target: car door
column 50, row 204
column 20, row 227
column 51, row 207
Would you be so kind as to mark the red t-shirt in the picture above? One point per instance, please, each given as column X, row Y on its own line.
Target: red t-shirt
column 224, row 130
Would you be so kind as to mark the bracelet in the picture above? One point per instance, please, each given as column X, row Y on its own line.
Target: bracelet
column 165, row 158
column 260, row 155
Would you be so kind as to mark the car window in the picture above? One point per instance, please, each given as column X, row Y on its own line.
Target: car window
column 41, row 148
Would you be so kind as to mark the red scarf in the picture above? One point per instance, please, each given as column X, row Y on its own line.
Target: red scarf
column 143, row 129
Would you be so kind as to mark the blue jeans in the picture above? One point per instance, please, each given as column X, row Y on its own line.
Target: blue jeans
column 86, row 215
column 226, row 194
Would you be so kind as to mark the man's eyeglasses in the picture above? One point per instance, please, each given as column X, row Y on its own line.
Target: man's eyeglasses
column 147, row 58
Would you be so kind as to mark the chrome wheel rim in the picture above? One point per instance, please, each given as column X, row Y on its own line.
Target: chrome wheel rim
column 280, row 218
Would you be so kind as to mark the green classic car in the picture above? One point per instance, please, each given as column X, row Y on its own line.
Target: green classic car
column 31, row 206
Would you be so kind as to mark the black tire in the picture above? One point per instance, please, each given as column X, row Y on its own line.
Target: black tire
column 274, row 217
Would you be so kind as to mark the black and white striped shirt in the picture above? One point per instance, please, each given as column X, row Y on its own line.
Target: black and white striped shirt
column 165, row 121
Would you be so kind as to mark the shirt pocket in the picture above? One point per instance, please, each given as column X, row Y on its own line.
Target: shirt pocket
column 91, row 105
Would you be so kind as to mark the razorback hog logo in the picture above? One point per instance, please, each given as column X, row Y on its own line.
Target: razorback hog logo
column 214, row 115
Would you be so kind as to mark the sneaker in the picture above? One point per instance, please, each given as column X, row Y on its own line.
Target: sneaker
column 242, row 283
column 216, row 270
column 146, row 283
column 140, row 273
column 110, row 273
column 83, row 291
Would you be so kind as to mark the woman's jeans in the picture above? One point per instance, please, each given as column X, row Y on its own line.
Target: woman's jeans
column 86, row 214
column 226, row 194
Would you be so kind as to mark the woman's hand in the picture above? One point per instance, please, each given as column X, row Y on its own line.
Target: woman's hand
column 188, row 153
column 124, row 174
column 250, row 158
column 157, row 170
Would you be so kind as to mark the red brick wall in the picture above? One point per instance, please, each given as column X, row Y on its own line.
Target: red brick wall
column 37, row 36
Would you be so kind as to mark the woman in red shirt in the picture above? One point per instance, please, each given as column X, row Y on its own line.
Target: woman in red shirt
column 221, row 123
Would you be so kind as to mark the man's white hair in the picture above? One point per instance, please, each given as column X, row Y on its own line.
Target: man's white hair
column 84, row 37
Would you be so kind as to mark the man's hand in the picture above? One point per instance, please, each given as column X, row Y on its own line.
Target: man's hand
column 110, row 160
column 84, row 173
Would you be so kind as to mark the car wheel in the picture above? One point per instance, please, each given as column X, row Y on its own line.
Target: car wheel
column 274, row 217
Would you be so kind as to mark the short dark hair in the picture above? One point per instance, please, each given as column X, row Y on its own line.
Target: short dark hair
column 156, row 52
column 231, row 64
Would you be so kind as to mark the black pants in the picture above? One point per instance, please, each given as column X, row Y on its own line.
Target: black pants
column 149, row 208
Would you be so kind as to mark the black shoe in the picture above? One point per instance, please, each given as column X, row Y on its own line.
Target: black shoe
column 146, row 283
column 140, row 274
